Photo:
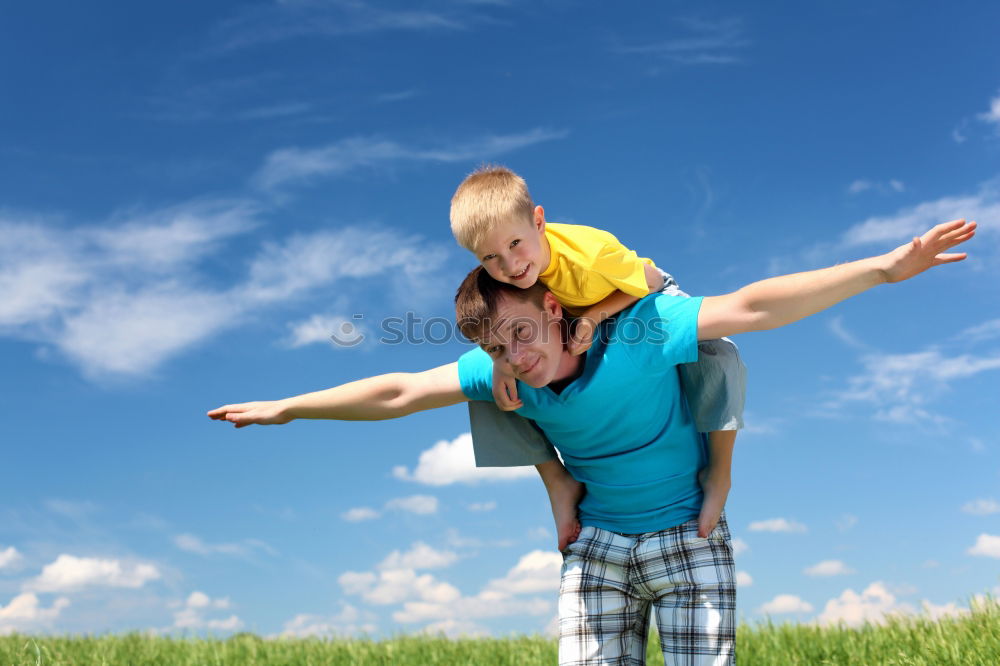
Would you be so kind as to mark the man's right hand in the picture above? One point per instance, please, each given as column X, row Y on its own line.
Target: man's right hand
column 267, row 412
column 505, row 389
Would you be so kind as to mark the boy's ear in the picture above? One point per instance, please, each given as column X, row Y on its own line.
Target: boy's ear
column 551, row 305
column 539, row 219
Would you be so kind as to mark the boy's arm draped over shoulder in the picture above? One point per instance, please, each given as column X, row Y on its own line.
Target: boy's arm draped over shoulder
column 386, row 396
column 782, row 300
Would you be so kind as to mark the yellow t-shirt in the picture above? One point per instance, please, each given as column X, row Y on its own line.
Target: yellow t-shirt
column 588, row 264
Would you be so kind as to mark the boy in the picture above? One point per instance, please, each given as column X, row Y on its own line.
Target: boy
column 593, row 277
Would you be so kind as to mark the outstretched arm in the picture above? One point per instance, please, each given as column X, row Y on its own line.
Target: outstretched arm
column 782, row 300
column 375, row 398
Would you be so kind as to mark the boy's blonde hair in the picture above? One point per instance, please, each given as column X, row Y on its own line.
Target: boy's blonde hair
column 490, row 196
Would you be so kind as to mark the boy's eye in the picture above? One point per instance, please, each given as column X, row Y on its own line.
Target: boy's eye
column 489, row 256
column 515, row 242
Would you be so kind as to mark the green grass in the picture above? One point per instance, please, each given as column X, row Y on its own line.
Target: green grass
column 972, row 640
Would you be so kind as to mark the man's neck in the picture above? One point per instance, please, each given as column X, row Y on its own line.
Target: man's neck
column 570, row 367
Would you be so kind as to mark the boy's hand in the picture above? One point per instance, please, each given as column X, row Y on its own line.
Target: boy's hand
column 716, row 486
column 505, row 388
column 925, row 252
column 582, row 336
column 268, row 412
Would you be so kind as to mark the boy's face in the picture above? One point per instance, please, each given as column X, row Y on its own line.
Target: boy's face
column 515, row 252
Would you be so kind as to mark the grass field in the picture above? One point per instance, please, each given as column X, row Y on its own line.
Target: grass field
column 972, row 640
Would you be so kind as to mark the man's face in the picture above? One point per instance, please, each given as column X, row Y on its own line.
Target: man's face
column 528, row 339
column 513, row 252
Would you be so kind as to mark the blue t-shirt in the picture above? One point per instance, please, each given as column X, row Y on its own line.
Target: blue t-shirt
column 622, row 427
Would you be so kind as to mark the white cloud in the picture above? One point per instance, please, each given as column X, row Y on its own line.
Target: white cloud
column 394, row 586
column 359, row 514
column 537, row 571
column 349, row 621
column 193, row 544
column 427, row 599
column 743, row 579
column 451, row 462
column 452, row 628
column 874, row 604
column 936, row 612
column 986, row 545
column 23, row 613
column 828, row 568
column 198, row 599
column 420, row 556
column 981, row 507
column 739, row 546
column 9, row 557
column 837, row 327
column 785, row 603
column 482, row 506
column 776, row 525
column 289, row 165
column 422, row 505
column 69, row 573
column 993, row 115
column 193, row 614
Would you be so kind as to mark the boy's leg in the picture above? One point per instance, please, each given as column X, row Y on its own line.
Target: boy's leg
column 715, row 385
column 694, row 581
column 506, row 439
column 565, row 494
column 602, row 618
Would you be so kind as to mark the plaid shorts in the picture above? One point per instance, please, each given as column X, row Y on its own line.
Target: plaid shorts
column 610, row 583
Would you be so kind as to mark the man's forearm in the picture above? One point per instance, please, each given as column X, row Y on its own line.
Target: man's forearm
column 371, row 399
column 782, row 300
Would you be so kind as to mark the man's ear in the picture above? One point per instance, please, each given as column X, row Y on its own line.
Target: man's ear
column 539, row 219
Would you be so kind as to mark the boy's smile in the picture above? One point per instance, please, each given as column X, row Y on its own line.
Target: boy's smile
column 516, row 252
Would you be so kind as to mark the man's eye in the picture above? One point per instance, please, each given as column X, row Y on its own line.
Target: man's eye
column 518, row 332
column 493, row 351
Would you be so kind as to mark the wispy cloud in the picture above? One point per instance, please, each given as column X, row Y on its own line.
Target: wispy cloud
column 120, row 298
column 297, row 165
column 193, row 544
column 901, row 386
column 983, row 206
column 701, row 42
column 268, row 23
column 859, row 186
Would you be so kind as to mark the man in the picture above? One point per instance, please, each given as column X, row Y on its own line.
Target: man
column 617, row 417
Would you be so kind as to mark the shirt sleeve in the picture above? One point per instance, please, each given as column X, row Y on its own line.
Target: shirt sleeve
column 622, row 268
column 661, row 331
column 475, row 374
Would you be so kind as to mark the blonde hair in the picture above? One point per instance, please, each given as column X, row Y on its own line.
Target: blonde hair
column 490, row 196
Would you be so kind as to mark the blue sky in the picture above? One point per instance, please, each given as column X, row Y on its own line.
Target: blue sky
column 194, row 197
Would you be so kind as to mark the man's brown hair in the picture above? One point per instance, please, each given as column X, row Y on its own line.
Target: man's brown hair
column 490, row 196
column 478, row 296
